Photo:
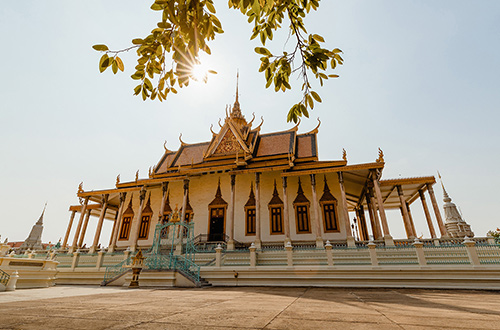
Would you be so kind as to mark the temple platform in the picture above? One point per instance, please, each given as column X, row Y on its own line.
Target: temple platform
column 80, row 307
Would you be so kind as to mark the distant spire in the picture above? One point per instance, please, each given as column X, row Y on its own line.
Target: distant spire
column 446, row 197
column 40, row 221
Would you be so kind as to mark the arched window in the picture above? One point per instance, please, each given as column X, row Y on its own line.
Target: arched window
column 276, row 213
column 127, row 217
column 328, row 205
column 301, row 205
column 250, row 214
column 147, row 213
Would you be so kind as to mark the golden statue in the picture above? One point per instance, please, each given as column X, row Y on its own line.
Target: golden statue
column 175, row 215
column 118, row 179
column 344, row 154
column 136, row 175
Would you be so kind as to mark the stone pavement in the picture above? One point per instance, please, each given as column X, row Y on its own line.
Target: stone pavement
column 85, row 307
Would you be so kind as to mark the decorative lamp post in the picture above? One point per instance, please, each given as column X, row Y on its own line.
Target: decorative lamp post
column 137, row 264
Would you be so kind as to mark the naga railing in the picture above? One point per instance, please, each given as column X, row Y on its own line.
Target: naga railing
column 113, row 272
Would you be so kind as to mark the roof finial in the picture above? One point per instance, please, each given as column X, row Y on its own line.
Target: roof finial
column 237, row 83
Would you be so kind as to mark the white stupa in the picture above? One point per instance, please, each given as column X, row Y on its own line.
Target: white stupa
column 34, row 240
column 455, row 224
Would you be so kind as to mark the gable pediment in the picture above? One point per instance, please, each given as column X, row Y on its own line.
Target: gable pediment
column 228, row 145
column 227, row 142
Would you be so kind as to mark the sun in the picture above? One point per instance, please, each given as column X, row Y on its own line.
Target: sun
column 199, row 72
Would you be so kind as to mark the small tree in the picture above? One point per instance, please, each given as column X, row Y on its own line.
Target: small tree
column 171, row 51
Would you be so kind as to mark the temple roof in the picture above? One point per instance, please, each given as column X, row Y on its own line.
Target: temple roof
column 239, row 145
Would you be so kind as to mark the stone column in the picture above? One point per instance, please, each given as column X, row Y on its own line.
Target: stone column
column 230, row 224
column 136, row 224
column 164, row 189
column 471, row 251
column 385, row 226
column 114, row 236
column 258, row 241
column 373, row 253
column 362, row 224
column 289, row 254
column 329, row 253
column 316, row 220
column 441, row 225
column 420, row 252
column 184, row 200
column 218, row 256
column 345, row 212
column 115, row 222
column 371, row 216
column 79, row 227
column 286, row 219
column 411, row 219
column 70, row 224
column 253, row 256
column 84, row 229
column 427, row 214
column 373, row 203
column 404, row 211
column 99, row 223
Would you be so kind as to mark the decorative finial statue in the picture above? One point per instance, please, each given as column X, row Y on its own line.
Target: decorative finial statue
column 80, row 187
column 149, row 171
column 118, row 179
column 165, row 146
column 344, row 154
column 380, row 158
column 137, row 175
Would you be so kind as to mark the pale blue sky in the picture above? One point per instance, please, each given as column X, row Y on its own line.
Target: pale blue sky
column 420, row 80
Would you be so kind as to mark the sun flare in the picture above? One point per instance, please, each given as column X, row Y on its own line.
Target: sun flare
column 199, row 72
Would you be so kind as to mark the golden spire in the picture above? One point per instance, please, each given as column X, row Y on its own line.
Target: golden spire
column 236, row 111
column 237, row 83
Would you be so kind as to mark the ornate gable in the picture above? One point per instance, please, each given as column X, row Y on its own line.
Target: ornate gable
column 228, row 145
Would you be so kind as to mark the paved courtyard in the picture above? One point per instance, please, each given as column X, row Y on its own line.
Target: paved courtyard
column 84, row 307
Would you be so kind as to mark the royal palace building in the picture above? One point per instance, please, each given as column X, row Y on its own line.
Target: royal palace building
column 245, row 186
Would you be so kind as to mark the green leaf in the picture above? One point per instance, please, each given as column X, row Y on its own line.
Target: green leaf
column 210, row 7
column 137, row 89
column 316, row 96
column 263, row 51
column 317, row 37
column 103, row 63
column 119, row 63
column 137, row 41
column 148, row 84
column 114, row 67
column 100, row 48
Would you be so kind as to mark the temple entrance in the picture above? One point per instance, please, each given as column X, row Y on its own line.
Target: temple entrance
column 216, row 230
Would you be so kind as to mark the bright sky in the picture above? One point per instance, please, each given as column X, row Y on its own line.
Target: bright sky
column 420, row 80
